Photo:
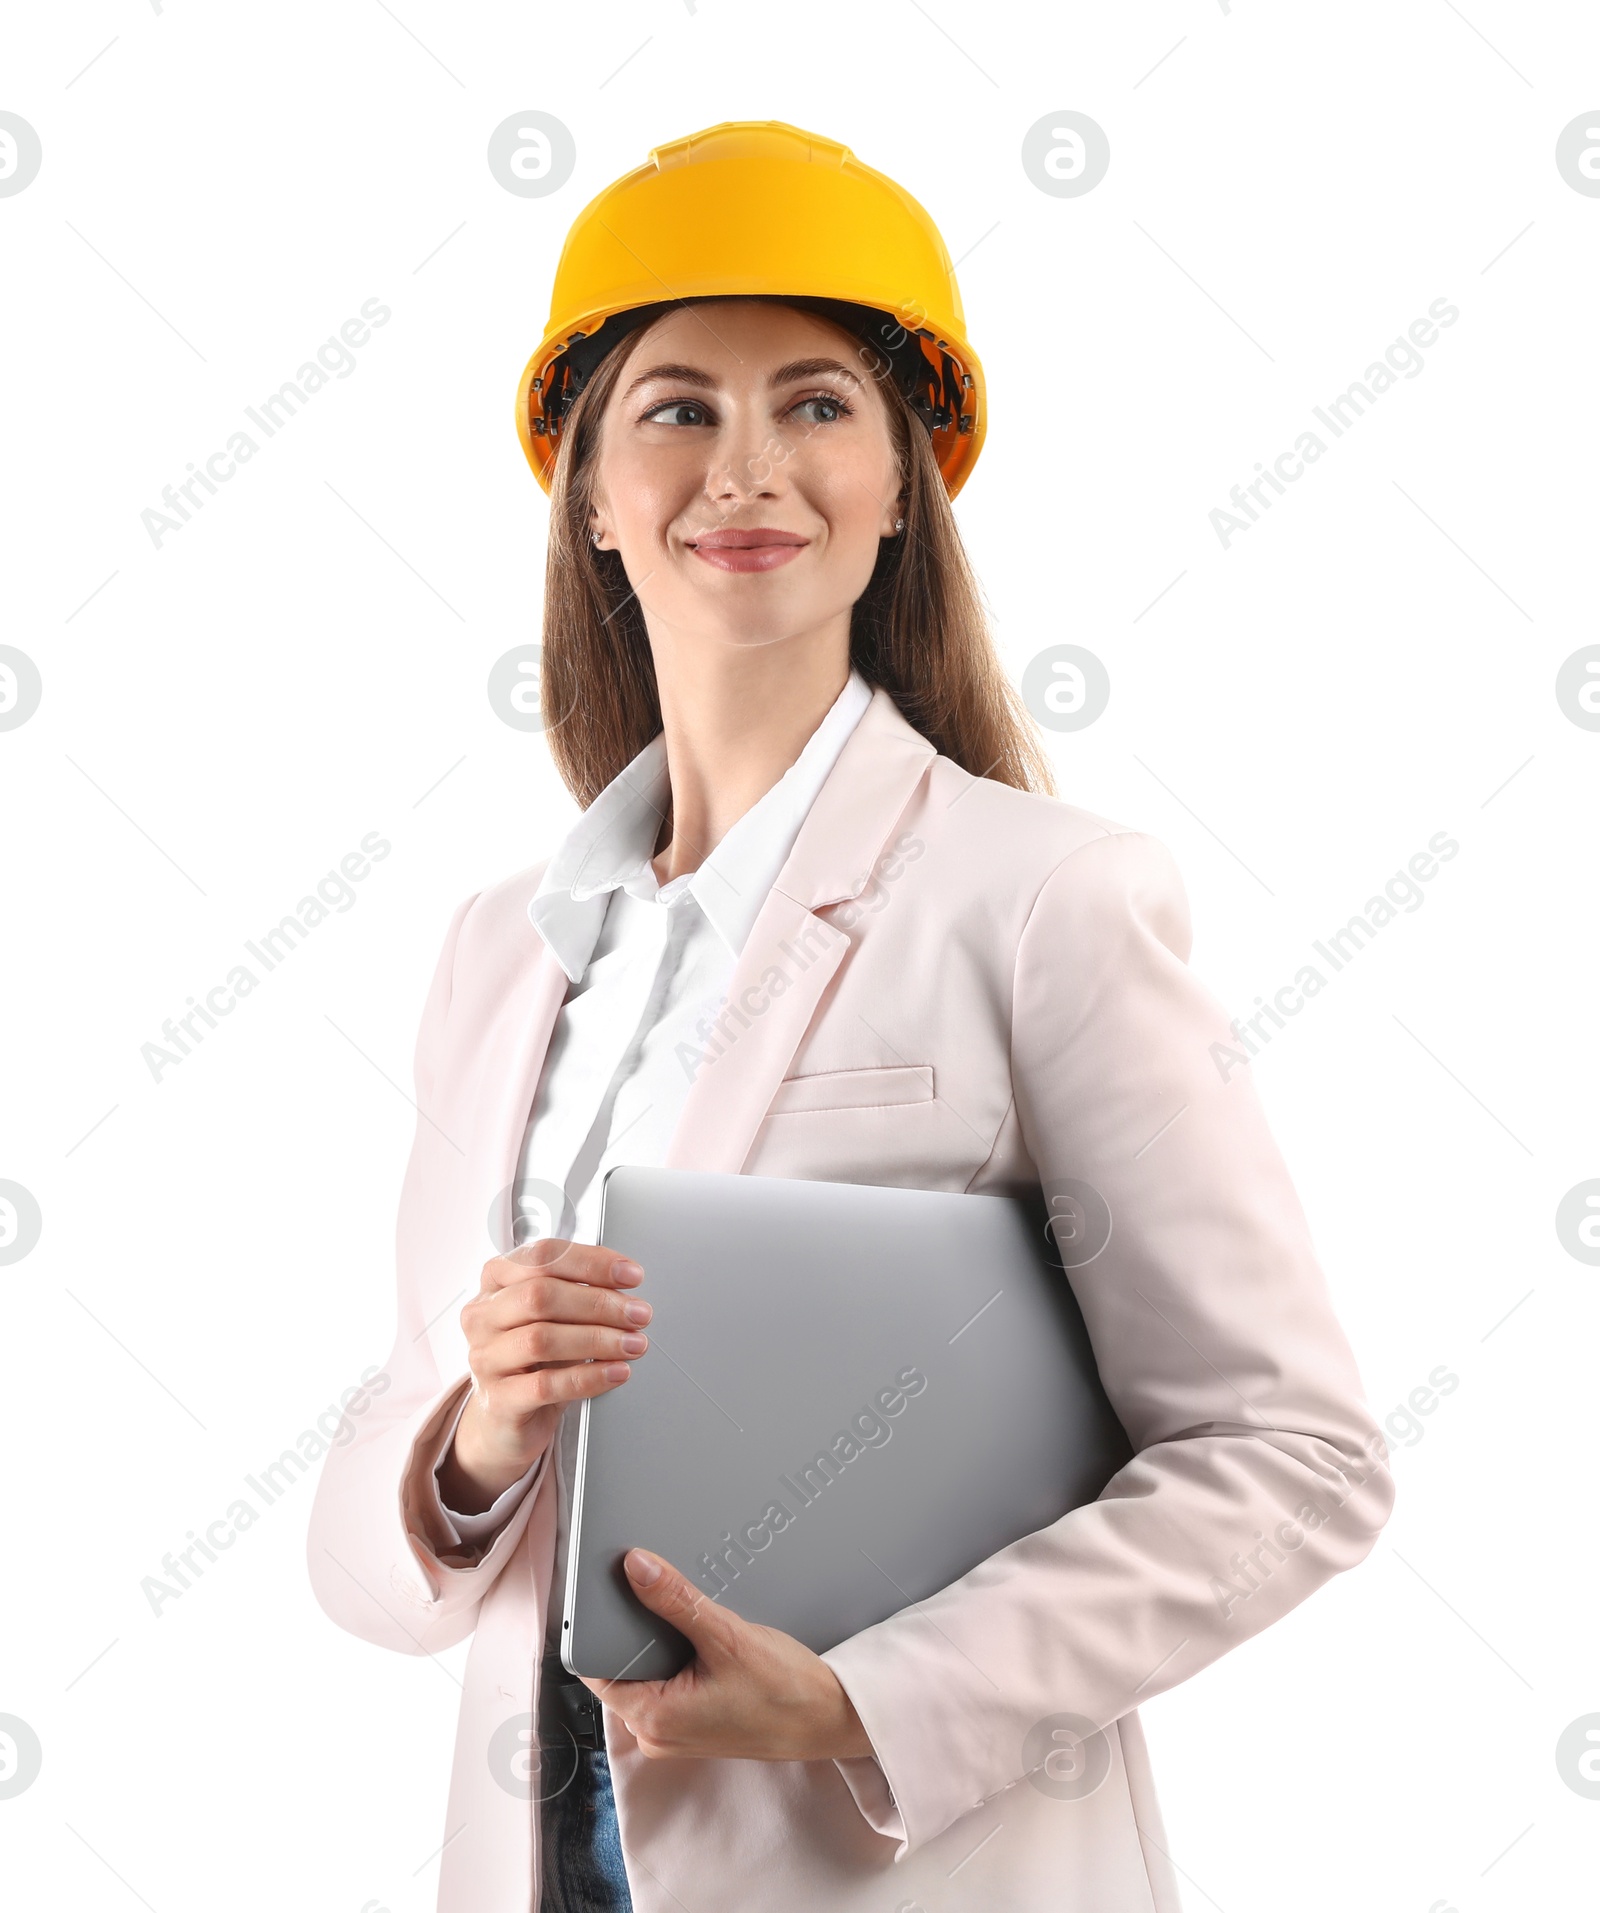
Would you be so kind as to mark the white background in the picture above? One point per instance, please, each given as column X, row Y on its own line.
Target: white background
column 226, row 716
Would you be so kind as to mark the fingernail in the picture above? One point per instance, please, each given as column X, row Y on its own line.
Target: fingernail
column 617, row 1371
column 637, row 1312
column 643, row 1568
column 627, row 1273
column 634, row 1344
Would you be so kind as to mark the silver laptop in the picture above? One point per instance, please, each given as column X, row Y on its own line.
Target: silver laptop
column 852, row 1396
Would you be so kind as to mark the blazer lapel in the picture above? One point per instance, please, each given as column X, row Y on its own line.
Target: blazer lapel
column 785, row 966
column 791, row 953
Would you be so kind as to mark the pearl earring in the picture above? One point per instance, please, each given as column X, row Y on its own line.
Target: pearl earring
column 899, row 524
column 595, row 536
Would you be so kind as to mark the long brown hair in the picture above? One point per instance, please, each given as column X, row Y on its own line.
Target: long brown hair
column 919, row 629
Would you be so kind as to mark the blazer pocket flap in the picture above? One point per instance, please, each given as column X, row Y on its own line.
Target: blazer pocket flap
column 854, row 1089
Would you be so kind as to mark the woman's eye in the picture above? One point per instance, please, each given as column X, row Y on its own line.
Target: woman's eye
column 822, row 409
column 677, row 412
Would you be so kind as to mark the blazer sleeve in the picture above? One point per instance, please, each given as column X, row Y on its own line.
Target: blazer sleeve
column 472, row 1529
column 385, row 1560
column 1257, row 1473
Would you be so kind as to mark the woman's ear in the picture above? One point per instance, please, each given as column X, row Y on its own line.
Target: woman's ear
column 598, row 527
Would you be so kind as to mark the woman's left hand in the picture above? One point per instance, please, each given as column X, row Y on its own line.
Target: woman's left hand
column 750, row 1693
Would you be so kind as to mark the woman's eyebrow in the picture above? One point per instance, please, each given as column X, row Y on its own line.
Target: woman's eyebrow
column 679, row 374
column 798, row 369
column 789, row 374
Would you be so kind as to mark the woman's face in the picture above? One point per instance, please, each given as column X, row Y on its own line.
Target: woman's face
column 746, row 473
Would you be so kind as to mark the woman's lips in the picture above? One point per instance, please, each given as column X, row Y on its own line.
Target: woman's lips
column 755, row 550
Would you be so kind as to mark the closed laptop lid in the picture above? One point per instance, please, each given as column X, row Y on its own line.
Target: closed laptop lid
column 852, row 1396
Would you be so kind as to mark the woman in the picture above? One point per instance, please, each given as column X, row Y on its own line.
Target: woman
column 820, row 917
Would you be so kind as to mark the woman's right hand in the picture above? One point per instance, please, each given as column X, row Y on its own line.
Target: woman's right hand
column 551, row 1324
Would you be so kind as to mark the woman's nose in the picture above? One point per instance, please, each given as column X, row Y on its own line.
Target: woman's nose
column 747, row 463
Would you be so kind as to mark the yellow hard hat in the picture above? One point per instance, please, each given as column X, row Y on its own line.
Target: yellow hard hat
column 758, row 208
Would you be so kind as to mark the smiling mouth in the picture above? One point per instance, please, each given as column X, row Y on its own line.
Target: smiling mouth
column 758, row 549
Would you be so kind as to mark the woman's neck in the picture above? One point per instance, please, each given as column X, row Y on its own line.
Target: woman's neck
column 735, row 719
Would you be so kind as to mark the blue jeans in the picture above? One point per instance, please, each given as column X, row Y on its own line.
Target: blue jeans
column 582, row 1870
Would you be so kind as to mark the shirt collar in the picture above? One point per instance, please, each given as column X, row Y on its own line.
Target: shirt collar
column 611, row 845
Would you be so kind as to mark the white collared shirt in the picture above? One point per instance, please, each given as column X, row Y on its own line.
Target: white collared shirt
column 648, row 965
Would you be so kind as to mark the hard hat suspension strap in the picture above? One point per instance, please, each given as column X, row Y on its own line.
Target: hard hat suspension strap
column 934, row 395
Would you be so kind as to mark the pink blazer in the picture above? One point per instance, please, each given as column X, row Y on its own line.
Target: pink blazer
column 952, row 985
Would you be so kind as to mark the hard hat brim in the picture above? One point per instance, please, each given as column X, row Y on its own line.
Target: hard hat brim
column 956, row 456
